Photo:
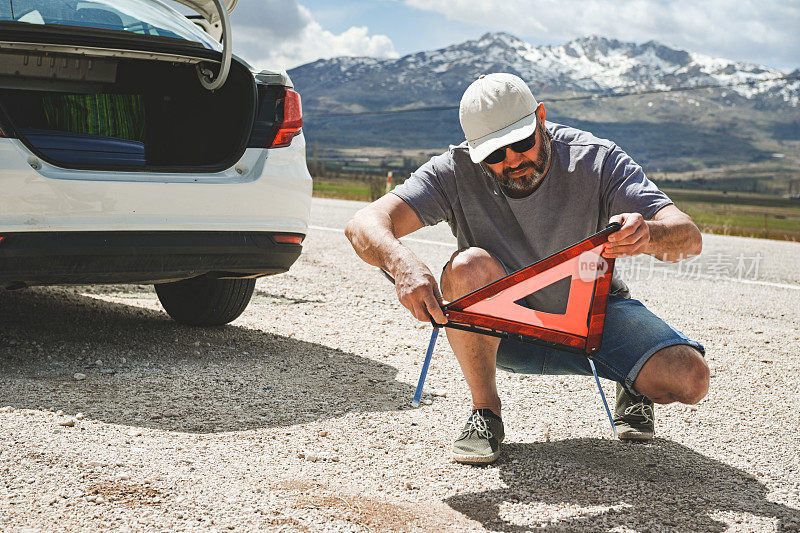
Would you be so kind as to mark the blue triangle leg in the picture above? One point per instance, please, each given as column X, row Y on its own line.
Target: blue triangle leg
column 603, row 396
column 431, row 345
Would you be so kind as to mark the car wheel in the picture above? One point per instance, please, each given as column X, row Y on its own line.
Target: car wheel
column 205, row 300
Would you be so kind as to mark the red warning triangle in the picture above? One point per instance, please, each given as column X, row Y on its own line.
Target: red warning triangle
column 496, row 308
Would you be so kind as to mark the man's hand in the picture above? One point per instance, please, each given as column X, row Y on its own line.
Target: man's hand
column 418, row 291
column 632, row 238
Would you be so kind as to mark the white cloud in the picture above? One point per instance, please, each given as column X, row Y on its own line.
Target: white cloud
column 282, row 34
column 760, row 31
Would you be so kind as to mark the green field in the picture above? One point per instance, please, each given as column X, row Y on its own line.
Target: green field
column 745, row 214
column 342, row 190
column 749, row 215
column 350, row 189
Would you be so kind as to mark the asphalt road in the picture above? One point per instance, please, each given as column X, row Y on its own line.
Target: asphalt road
column 297, row 416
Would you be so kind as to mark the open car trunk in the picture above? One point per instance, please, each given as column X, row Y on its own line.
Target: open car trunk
column 126, row 114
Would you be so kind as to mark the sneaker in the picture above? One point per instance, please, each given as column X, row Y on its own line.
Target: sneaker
column 479, row 442
column 633, row 416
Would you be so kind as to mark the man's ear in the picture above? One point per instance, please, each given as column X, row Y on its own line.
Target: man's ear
column 540, row 112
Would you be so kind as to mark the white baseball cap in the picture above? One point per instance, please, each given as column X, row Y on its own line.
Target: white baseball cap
column 496, row 110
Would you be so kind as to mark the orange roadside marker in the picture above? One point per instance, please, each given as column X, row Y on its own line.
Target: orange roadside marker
column 496, row 309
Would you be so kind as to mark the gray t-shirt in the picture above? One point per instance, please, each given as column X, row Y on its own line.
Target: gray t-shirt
column 589, row 180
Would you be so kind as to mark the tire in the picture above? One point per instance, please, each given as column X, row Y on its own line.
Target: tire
column 205, row 300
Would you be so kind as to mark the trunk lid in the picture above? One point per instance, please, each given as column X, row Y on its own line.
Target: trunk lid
column 207, row 7
column 108, row 28
column 117, row 28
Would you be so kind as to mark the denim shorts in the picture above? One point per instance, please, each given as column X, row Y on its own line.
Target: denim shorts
column 631, row 335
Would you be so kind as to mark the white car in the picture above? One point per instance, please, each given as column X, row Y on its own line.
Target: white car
column 135, row 149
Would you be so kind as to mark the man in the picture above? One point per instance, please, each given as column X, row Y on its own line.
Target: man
column 518, row 190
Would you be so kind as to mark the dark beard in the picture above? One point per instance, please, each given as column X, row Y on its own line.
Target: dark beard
column 521, row 187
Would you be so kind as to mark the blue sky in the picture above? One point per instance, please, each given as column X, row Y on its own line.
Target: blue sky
column 287, row 33
column 410, row 29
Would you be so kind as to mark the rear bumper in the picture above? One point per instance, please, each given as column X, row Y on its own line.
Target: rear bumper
column 267, row 190
column 54, row 258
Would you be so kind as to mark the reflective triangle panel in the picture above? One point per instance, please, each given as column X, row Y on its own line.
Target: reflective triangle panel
column 581, row 290
column 494, row 310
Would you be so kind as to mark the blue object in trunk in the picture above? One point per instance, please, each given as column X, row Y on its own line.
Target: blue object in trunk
column 80, row 148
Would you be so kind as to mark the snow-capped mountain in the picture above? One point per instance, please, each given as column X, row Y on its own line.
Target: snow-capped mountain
column 591, row 64
column 682, row 130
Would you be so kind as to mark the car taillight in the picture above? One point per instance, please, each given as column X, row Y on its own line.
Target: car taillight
column 292, row 120
column 288, row 239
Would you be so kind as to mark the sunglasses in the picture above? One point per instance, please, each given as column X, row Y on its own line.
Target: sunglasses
column 519, row 147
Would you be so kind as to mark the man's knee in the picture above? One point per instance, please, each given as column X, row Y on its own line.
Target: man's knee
column 697, row 377
column 469, row 269
column 675, row 373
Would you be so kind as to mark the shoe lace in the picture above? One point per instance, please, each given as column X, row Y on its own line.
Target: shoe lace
column 477, row 424
column 642, row 409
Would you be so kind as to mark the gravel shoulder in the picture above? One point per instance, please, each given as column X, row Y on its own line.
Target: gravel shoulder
column 297, row 416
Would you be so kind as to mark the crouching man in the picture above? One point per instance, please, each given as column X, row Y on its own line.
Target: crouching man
column 518, row 190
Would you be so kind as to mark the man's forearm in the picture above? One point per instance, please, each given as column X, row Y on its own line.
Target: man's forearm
column 375, row 238
column 673, row 238
column 372, row 235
